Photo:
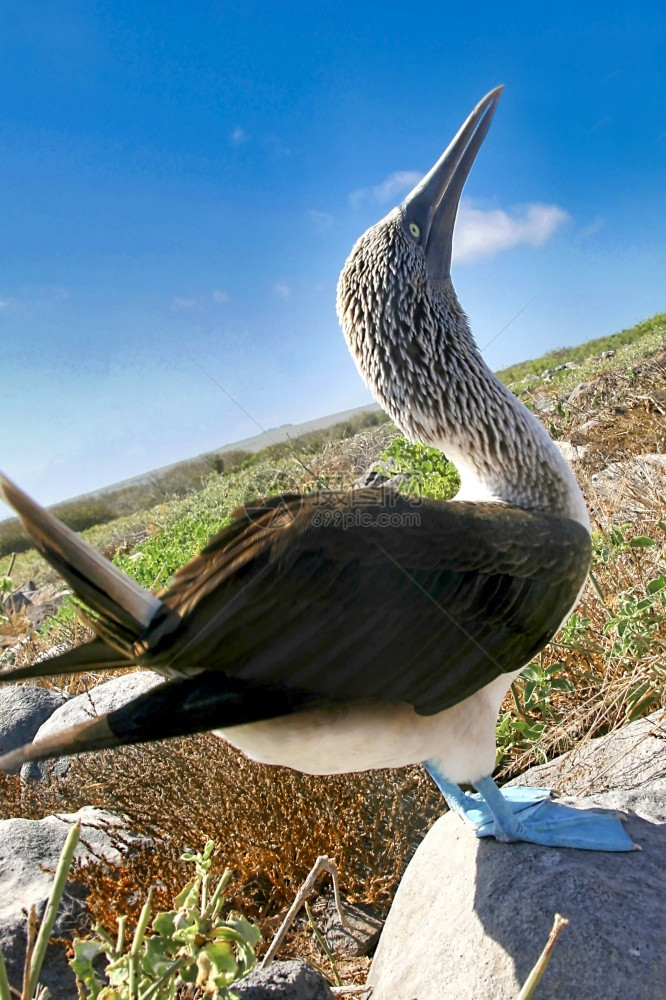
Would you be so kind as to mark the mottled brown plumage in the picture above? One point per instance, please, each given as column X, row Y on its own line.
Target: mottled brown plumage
column 346, row 597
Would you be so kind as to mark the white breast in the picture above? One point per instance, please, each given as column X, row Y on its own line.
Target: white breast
column 363, row 736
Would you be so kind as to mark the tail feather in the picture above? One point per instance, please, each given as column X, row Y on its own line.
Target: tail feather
column 176, row 708
column 100, row 584
column 94, row 655
column 94, row 734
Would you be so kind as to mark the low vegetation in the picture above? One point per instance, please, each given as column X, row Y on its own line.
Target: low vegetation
column 606, row 667
column 189, row 944
column 130, row 506
column 626, row 346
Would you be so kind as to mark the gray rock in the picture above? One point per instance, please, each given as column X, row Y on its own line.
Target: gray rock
column 285, row 980
column 99, row 700
column 23, row 709
column 29, row 851
column 45, row 602
column 581, row 394
column 543, row 404
column 531, row 378
column 471, row 916
column 359, row 938
column 632, row 485
column 571, row 452
column 571, row 365
column 607, row 354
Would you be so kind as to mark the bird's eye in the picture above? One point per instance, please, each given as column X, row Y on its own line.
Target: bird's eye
column 414, row 230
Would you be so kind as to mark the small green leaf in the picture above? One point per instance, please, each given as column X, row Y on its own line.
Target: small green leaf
column 189, row 895
column 85, row 952
column 189, row 973
column 165, row 924
column 641, row 542
column 562, row 684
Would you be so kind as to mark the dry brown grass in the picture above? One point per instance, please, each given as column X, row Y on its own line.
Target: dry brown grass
column 270, row 824
column 604, row 683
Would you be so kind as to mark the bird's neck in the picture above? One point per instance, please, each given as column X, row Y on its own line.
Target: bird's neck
column 439, row 391
column 503, row 453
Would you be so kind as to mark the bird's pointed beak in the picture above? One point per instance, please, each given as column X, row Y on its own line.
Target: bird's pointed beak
column 433, row 204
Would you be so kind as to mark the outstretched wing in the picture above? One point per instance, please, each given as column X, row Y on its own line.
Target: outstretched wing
column 306, row 601
column 371, row 595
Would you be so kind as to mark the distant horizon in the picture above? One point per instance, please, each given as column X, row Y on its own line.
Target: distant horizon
column 181, row 187
column 256, row 442
column 251, row 444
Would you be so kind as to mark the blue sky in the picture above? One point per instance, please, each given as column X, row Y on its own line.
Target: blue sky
column 211, row 165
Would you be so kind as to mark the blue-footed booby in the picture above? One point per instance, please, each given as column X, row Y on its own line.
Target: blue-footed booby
column 343, row 631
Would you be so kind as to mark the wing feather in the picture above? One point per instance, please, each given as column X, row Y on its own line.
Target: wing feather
column 305, row 591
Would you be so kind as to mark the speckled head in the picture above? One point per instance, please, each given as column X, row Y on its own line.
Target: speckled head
column 400, row 315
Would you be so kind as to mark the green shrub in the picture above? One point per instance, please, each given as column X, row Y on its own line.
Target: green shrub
column 190, row 944
column 427, row 472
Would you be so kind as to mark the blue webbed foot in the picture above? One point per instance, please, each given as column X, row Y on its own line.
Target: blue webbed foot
column 529, row 814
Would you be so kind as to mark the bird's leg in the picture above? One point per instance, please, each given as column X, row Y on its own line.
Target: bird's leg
column 474, row 808
column 553, row 824
column 529, row 814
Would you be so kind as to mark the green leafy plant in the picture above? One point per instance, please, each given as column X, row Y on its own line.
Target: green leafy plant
column 6, row 587
column 518, row 734
column 532, row 694
column 635, row 622
column 607, row 545
column 427, row 472
column 190, row 944
column 635, row 631
column 575, row 633
column 539, row 683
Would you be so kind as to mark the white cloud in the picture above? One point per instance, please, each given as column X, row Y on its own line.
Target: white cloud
column 56, row 292
column 593, row 227
column 389, row 190
column 321, row 220
column 478, row 233
column 220, row 296
column 481, row 233
column 276, row 147
column 238, row 136
column 178, row 303
column 282, row 290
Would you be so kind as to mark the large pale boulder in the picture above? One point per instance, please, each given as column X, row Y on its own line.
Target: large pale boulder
column 471, row 916
column 99, row 700
column 29, row 852
column 23, row 709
